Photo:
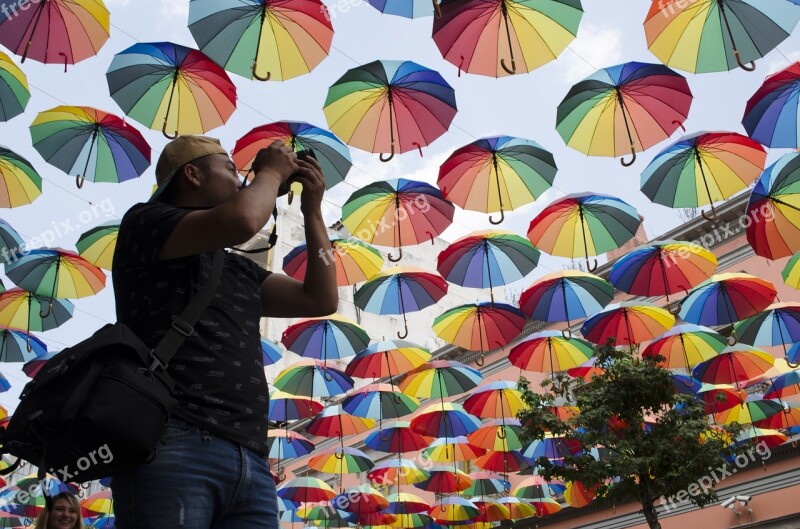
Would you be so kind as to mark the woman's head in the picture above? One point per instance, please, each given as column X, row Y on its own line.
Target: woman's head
column 64, row 512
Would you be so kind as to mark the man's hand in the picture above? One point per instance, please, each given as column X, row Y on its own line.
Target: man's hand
column 278, row 158
column 310, row 175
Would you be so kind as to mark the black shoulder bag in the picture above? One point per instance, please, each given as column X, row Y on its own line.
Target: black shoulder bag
column 98, row 408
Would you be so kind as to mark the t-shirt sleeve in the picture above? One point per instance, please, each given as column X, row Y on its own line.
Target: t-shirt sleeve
column 143, row 231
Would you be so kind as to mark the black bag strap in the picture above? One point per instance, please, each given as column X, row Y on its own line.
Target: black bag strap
column 183, row 325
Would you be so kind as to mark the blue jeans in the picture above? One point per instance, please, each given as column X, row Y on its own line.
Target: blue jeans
column 197, row 481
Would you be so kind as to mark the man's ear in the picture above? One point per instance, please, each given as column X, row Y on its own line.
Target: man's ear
column 192, row 175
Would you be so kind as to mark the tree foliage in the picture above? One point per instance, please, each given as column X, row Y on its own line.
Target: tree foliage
column 658, row 442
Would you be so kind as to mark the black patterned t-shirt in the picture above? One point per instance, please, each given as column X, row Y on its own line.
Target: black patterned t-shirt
column 219, row 370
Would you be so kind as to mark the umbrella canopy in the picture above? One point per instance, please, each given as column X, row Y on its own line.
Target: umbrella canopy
column 787, row 419
column 771, row 114
column 536, row 487
column 791, row 272
column 334, row 421
column 770, row 438
column 396, row 438
column 399, row 290
column 717, row 35
column 31, row 367
column 624, row 108
column 489, row 510
column 577, row 494
column 498, row 435
column 406, row 503
column 778, row 324
column 90, row 144
column 97, row 244
column 486, row 484
column 497, row 400
column 773, row 228
column 341, row 460
column 287, row 407
column 379, row 400
column 518, row 508
column 355, row 261
column 283, row 444
column 271, row 351
column 14, row 91
column 444, row 420
column 562, row 296
column 387, row 358
column 330, row 152
column 685, row 346
column 23, row 310
column 262, row 39
column 332, row 337
column 56, row 31
column 486, row 259
column 400, row 472
column 21, row 184
column 727, row 298
column 445, row 479
column 312, row 378
column 550, row 352
column 583, row 225
column 504, row 461
column 451, row 449
column 720, row 397
column 11, row 243
column 749, row 412
column 360, row 500
column 453, row 509
column 498, row 38
column 480, row 327
column 497, row 173
column 702, row 169
column 628, row 324
column 305, row 490
column 439, row 379
column 172, row 88
column 17, row 345
column 735, row 365
column 403, row 8
column 783, row 385
column 397, row 212
column 390, row 106
column 662, row 268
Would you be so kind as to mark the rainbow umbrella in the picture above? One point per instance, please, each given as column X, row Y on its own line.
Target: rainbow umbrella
column 628, row 324
column 414, row 103
column 498, row 435
column 480, row 327
column 586, row 371
column 445, row 479
column 397, row 212
column 334, row 421
column 169, row 87
column 10, row 243
column 415, row 521
column 406, row 503
column 440, row 379
column 737, row 363
column 486, row 483
column 545, row 506
column 485, row 259
column 21, row 184
column 496, row 400
column 323, row 514
column 662, row 268
column 493, row 173
column 396, row 438
column 517, row 507
column 685, row 346
column 771, row 114
column 338, row 460
column 717, row 35
column 750, row 411
column 56, row 273
column 727, row 298
column 387, row 358
column 308, row 378
column 262, row 39
column 489, row 509
column 564, row 295
column 401, row 472
column 14, row 91
column 287, row 407
column 754, row 436
column 360, row 500
column 282, row 444
column 783, row 385
column 549, row 351
column 773, row 212
column 56, row 31
column 97, row 245
column 703, row 168
column 452, row 510
column 99, row 503
column 31, row 367
column 451, row 449
column 536, row 487
column 376, row 520
column 504, row 461
column 5, row 385
column 355, row 261
column 333, row 337
column 271, row 351
column 583, row 224
column 399, row 290
column 23, row 310
column 629, row 107
column 789, row 419
column 403, row 8
column 489, row 37
column 445, row 419
column 90, row 144
column 331, row 153
column 17, row 345
column 379, row 400
column 577, row 494
column 791, row 272
column 720, row 397
column 778, row 324
column 305, row 489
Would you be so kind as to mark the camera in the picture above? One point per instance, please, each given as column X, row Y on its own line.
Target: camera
column 304, row 154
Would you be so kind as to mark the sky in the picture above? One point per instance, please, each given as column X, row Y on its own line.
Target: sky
column 523, row 105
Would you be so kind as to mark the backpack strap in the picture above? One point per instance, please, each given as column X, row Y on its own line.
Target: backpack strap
column 183, row 325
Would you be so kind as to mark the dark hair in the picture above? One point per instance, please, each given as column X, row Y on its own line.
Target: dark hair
column 170, row 194
column 43, row 520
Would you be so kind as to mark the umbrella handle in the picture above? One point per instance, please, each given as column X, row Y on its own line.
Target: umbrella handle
column 502, row 217
column 49, row 310
column 419, row 148
column 65, row 60
column 732, row 336
column 166, row 134
column 567, row 333
column 437, row 9
column 399, row 255
column 460, row 65
column 405, row 333
column 678, row 123
column 512, row 70
column 480, row 361
column 382, row 436
column 326, row 374
column 591, row 268
column 338, row 456
column 674, row 308
column 501, row 433
column 258, row 77
column 746, row 67
column 626, row 163
column 790, row 364
column 79, row 180
column 391, row 152
column 710, row 217
column 290, row 197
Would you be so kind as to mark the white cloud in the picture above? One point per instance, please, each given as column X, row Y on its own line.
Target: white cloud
column 174, row 8
column 596, row 47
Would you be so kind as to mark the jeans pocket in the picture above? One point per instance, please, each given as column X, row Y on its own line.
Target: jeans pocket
column 177, row 429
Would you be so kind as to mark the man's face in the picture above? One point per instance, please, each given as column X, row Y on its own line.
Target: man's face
column 220, row 180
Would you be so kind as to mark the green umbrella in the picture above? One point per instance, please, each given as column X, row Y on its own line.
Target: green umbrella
column 97, row 244
column 14, row 91
column 21, row 183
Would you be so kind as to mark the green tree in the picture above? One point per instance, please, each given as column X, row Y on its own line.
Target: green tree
column 658, row 442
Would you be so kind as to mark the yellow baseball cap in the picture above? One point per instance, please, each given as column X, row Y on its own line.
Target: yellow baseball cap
column 179, row 152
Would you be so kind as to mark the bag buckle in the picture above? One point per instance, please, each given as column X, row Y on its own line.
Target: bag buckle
column 157, row 364
column 182, row 327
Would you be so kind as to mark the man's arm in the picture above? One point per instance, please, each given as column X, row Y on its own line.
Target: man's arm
column 317, row 295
